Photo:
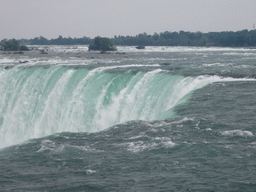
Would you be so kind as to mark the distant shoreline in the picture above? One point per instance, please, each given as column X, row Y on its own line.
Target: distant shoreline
column 243, row 38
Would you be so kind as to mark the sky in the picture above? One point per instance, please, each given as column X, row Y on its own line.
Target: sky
column 107, row 18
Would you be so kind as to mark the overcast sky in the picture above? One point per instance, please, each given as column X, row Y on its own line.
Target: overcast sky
column 78, row 18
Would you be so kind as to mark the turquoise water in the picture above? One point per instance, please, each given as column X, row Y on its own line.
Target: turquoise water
column 159, row 119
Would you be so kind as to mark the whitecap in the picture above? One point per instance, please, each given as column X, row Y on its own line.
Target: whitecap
column 89, row 171
column 168, row 144
column 155, row 143
column 240, row 133
column 47, row 145
column 165, row 141
column 139, row 146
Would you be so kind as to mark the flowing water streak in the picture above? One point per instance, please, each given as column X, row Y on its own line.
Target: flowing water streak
column 37, row 101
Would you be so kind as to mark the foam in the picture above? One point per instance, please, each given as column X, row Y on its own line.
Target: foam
column 140, row 146
column 240, row 133
column 7, row 61
column 48, row 145
column 154, row 143
column 149, row 49
column 89, row 171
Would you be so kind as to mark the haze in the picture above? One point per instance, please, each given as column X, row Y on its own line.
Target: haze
column 90, row 18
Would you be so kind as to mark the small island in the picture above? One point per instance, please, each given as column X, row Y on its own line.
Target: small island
column 13, row 45
column 102, row 44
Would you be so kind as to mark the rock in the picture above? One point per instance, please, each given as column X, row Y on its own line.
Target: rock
column 140, row 47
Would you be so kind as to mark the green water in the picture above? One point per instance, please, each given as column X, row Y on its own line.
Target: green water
column 173, row 119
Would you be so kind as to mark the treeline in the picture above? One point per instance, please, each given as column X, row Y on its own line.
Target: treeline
column 59, row 41
column 242, row 38
column 182, row 38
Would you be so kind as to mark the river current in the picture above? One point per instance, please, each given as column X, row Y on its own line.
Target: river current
column 158, row 119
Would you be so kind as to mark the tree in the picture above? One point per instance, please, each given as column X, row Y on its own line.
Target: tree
column 13, row 45
column 102, row 44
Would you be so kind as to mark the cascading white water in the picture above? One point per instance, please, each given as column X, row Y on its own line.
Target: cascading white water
column 37, row 101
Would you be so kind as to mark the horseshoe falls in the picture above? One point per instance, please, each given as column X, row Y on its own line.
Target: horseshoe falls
column 159, row 119
column 39, row 102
